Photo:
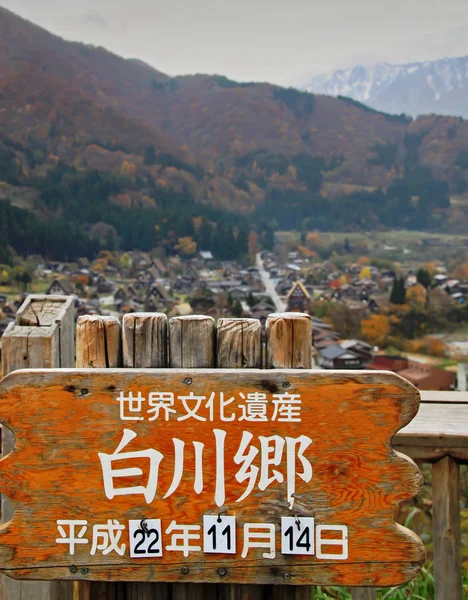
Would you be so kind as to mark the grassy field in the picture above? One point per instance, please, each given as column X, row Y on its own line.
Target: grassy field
column 401, row 246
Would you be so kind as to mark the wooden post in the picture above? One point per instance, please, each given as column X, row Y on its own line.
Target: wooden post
column 192, row 345
column 98, row 342
column 192, row 342
column 289, row 346
column 144, row 340
column 98, row 345
column 364, row 594
column 239, row 346
column 42, row 336
column 446, row 529
column 289, row 341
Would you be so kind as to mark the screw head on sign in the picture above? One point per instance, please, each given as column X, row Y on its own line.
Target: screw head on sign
column 286, row 576
column 286, row 385
column 84, row 571
column 188, row 380
column 73, row 569
column 222, row 572
column 185, row 570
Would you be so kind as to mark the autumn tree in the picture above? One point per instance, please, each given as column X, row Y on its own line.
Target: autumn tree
column 376, row 329
column 186, row 246
column 416, row 296
column 365, row 273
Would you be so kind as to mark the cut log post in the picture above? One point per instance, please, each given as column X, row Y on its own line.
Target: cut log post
column 192, row 342
column 364, row 594
column 98, row 345
column 144, row 340
column 42, row 336
column 239, row 344
column 289, row 341
column 446, row 529
column 289, row 346
column 192, row 346
column 98, row 342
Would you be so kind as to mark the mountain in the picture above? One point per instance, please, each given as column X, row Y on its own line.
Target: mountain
column 92, row 143
column 439, row 86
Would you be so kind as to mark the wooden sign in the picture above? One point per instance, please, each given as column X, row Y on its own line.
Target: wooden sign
column 241, row 476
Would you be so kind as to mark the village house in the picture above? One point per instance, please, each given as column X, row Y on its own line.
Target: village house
column 298, row 298
column 60, row 287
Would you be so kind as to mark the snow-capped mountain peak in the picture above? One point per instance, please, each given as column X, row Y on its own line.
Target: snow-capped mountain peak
column 439, row 86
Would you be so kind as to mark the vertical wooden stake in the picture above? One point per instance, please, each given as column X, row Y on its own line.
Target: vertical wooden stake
column 289, row 341
column 98, row 342
column 98, row 345
column 289, row 346
column 239, row 344
column 192, row 346
column 364, row 594
column 42, row 336
column 192, row 342
column 144, row 340
column 446, row 528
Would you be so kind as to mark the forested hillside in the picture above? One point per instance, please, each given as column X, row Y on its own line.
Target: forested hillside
column 116, row 153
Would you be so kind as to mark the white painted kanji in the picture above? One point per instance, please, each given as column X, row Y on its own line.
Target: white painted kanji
column 75, row 535
column 182, row 536
column 130, row 406
column 106, row 538
column 259, row 535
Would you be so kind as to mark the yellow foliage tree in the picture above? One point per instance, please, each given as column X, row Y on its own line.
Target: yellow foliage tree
column 416, row 296
column 365, row 273
column 128, row 169
column 186, row 246
column 376, row 329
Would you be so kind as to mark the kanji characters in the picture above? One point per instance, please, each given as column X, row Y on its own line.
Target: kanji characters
column 109, row 474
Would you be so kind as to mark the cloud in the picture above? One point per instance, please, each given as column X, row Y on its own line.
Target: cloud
column 95, row 19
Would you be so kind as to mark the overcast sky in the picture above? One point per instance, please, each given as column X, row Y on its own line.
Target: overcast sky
column 281, row 41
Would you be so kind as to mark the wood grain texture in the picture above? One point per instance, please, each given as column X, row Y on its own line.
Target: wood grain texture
column 239, row 344
column 289, row 341
column 144, row 340
column 98, row 342
column 446, row 529
column 42, row 336
column 192, row 342
column 357, row 478
column 363, row 594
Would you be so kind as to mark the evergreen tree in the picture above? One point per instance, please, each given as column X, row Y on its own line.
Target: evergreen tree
column 424, row 277
column 237, row 309
column 150, row 156
column 398, row 293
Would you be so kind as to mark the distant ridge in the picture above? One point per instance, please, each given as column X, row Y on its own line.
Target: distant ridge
column 439, row 86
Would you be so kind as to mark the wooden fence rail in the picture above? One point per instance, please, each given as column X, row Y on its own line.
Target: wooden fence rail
column 144, row 340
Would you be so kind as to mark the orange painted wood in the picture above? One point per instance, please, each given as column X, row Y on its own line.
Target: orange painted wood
column 63, row 418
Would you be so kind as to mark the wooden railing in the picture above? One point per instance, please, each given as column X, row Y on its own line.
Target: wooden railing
column 42, row 337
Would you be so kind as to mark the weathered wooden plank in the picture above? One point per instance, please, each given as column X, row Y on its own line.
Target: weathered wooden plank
column 364, row 594
column 42, row 336
column 289, row 341
column 446, row 529
column 442, row 397
column 145, row 340
column 98, row 342
column 355, row 479
column 192, row 342
column 289, row 345
column 45, row 311
column 436, row 425
column 239, row 344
